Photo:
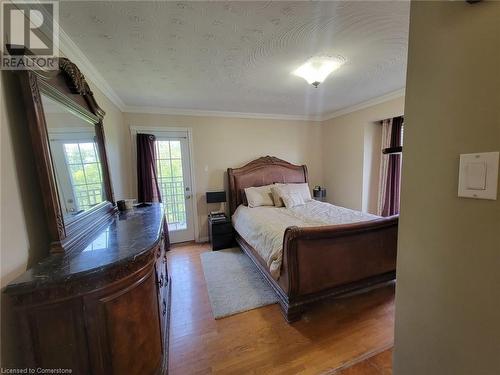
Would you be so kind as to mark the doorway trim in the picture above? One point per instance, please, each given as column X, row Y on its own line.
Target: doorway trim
column 152, row 129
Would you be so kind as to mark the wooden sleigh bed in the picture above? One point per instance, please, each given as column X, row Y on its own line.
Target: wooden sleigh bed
column 318, row 262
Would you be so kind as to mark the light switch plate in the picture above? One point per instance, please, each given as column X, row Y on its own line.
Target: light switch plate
column 478, row 176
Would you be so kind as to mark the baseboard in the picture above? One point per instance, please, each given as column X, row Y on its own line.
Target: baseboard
column 202, row 239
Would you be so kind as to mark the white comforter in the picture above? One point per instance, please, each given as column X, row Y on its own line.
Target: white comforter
column 264, row 227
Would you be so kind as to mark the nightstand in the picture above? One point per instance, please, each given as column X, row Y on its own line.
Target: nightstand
column 221, row 233
column 319, row 194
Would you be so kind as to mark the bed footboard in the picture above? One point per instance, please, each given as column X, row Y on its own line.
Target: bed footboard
column 319, row 262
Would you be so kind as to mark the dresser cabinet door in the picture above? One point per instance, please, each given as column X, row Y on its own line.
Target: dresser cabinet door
column 54, row 336
column 123, row 329
column 163, row 295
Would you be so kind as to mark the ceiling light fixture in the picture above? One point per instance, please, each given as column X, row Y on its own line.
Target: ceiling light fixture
column 316, row 69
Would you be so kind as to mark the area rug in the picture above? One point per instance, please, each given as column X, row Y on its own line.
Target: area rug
column 234, row 283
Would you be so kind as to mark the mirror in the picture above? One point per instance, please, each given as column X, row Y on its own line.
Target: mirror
column 75, row 156
column 67, row 135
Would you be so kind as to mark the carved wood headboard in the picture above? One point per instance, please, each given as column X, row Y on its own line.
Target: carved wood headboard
column 262, row 171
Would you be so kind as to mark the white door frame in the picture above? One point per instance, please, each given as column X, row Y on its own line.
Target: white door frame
column 134, row 130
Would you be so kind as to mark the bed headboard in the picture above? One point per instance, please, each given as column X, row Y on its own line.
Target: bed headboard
column 259, row 172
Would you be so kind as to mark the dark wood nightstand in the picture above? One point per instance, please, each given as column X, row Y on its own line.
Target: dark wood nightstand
column 221, row 233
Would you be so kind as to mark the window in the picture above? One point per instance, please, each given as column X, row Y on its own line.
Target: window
column 85, row 172
column 171, row 181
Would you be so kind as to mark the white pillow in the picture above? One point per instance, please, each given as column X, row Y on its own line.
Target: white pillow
column 293, row 200
column 278, row 190
column 259, row 196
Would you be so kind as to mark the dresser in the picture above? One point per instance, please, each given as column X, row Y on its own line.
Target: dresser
column 103, row 308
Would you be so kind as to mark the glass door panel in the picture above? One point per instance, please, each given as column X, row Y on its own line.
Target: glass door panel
column 173, row 167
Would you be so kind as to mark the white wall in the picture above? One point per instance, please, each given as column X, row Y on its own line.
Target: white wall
column 372, row 154
column 351, row 155
column 116, row 143
column 221, row 143
column 447, row 297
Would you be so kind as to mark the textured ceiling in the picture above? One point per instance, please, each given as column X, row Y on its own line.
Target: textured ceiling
column 237, row 56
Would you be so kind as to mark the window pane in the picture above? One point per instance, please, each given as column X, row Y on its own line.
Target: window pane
column 88, row 152
column 72, row 153
column 170, row 179
column 92, row 173
column 175, row 149
column 176, row 168
column 77, row 174
column 164, row 169
column 86, row 175
column 95, row 194
column 163, row 150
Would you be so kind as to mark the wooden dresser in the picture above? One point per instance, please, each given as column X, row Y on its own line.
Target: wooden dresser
column 101, row 309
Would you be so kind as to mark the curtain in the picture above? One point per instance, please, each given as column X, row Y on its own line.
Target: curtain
column 148, row 189
column 384, row 164
column 390, row 168
column 147, row 181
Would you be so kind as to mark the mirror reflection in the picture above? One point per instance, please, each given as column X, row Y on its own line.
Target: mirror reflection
column 76, row 160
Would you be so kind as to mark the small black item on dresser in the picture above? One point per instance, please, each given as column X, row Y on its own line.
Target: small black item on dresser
column 216, row 196
column 221, row 233
column 121, row 205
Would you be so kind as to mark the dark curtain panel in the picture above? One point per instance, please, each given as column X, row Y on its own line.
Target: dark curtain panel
column 393, row 185
column 148, row 189
column 147, row 181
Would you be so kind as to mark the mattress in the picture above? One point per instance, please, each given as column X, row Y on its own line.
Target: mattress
column 264, row 227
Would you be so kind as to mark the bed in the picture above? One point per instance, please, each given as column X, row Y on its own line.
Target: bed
column 313, row 259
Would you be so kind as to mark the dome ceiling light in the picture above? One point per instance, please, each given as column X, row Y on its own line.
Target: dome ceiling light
column 316, row 69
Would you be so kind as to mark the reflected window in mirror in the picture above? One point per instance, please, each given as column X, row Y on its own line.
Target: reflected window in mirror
column 99, row 243
column 76, row 160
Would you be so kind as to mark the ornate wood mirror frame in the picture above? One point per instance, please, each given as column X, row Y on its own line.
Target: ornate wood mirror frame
column 67, row 87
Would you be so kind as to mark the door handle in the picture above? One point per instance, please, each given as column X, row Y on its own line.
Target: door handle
column 188, row 197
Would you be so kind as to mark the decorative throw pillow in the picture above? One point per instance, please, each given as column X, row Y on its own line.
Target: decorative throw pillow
column 259, row 196
column 276, row 191
column 302, row 189
column 293, row 200
column 281, row 189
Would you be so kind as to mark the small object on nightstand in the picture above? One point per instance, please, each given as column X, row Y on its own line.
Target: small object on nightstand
column 221, row 232
column 319, row 194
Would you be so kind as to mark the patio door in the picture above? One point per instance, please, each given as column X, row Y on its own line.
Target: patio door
column 174, row 177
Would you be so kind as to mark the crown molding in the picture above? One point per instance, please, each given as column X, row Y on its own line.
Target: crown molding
column 369, row 103
column 266, row 116
column 207, row 113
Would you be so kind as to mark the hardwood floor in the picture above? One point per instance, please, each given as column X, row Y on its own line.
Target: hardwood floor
column 330, row 335
column 379, row 364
